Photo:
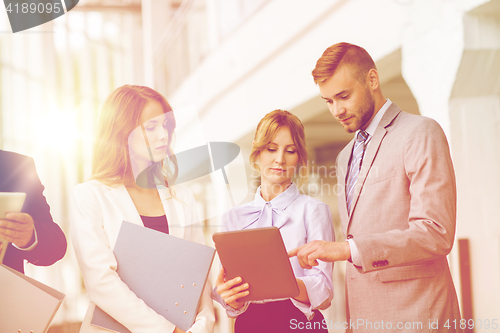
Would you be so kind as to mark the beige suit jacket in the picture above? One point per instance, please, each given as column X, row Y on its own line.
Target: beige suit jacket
column 403, row 224
column 96, row 214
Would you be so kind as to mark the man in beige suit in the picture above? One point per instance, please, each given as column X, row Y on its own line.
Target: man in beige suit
column 397, row 206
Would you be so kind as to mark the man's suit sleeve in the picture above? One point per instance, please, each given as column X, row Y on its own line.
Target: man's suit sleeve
column 432, row 214
column 51, row 245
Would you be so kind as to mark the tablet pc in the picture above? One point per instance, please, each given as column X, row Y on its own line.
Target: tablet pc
column 259, row 257
column 11, row 202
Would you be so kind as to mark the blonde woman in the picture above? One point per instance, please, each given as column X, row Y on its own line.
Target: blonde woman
column 99, row 205
column 279, row 152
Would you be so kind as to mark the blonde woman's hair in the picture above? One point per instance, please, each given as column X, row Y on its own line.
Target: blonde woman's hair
column 266, row 131
column 119, row 116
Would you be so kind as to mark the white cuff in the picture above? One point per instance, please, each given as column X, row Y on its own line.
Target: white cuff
column 306, row 309
column 355, row 256
column 317, row 293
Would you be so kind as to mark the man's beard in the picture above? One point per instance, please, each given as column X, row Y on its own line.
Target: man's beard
column 366, row 111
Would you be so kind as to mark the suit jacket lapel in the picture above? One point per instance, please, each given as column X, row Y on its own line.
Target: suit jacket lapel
column 123, row 204
column 371, row 153
column 120, row 198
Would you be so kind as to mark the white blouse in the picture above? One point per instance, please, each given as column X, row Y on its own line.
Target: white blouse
column 301, row 219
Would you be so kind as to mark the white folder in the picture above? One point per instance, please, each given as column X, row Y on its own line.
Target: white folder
column 26, row 305
column 168, row 273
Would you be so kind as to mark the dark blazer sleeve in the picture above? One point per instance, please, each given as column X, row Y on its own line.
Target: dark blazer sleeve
column 19, row 175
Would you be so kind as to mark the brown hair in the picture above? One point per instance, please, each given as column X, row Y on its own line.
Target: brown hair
column 267, row 129
column 343, row 54
column 120, row 115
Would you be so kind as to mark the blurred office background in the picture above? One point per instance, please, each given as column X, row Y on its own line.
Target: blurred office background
column 236, row 60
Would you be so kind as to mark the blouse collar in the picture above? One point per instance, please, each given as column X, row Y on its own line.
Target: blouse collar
column 261, row 213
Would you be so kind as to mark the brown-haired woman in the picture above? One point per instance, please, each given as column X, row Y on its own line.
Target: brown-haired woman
column 279, row 152
column 134, row 138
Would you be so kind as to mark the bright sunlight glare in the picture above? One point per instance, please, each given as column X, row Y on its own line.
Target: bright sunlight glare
column 57, row 130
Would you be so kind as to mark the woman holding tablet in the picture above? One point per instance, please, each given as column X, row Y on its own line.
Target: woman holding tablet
column 278, row 153
column 135, row 131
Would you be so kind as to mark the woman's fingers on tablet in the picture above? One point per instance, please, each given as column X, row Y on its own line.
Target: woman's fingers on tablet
column 234, row 298
column 220, row 277
column 232, row 293
column 233, row 282
column 231, row 290
column 236, row 293
column 229, row 285
column 243, row 287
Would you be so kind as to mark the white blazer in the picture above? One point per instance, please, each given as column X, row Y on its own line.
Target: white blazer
column 96, row 214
